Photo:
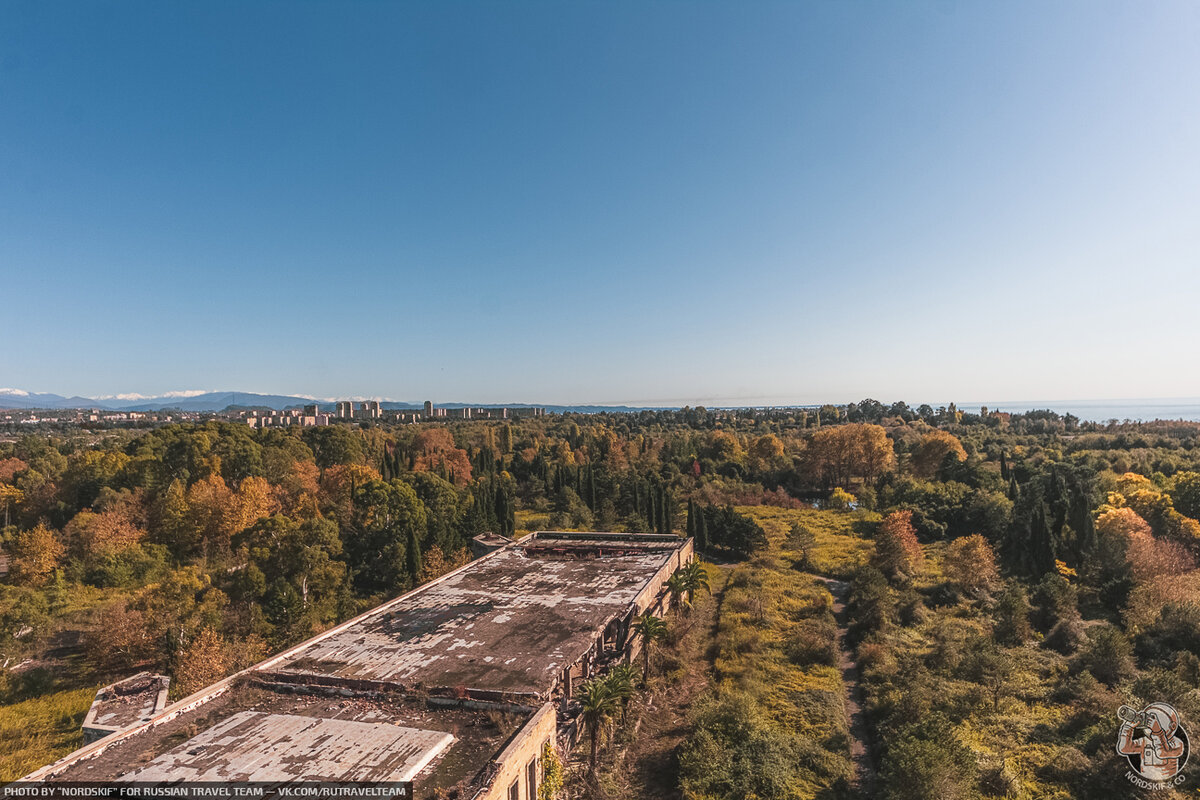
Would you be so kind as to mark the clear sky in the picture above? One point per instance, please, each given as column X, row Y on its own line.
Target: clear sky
column 645, row 202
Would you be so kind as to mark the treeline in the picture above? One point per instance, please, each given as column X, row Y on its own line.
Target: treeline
column 261, row 537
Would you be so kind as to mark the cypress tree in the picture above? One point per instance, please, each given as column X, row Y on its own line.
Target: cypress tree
column 412, row 556
column 691, row 520
column 701, row 530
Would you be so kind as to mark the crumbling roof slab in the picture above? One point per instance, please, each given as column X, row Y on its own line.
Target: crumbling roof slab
column 509, row 623
column 255, row 746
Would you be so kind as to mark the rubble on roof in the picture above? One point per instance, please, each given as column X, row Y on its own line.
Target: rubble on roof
column 134, row 699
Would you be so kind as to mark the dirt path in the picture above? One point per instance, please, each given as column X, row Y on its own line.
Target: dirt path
column 860, row 734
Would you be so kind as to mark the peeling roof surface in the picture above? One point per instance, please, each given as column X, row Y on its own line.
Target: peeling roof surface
column 226, row 749
column 253, row 746
column 127, row 701
column 510, row 623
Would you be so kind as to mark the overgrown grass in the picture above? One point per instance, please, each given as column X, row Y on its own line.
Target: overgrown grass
column 36, row 732
column 776, row 650
column 843, row 537
column 526, row 521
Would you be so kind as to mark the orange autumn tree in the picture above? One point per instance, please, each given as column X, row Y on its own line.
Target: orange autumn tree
column 106, row 532
column 436, row 453
column 898, row 554
column 204, row 661
column 836, row 456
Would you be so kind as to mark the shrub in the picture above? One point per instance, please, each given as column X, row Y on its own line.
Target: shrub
column 813, row 641
column 735, row 751
column 928, row 761
column 1108, row 655
column 1012, row 616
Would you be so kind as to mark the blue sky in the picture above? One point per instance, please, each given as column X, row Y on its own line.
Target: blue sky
column 655, row 203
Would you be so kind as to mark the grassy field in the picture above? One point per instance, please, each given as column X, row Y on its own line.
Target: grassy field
column 35, row 732
column 776, row 649
column 842, row 542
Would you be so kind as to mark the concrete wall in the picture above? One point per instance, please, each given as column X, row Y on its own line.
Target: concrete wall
column 648, row 599
column 511, row 765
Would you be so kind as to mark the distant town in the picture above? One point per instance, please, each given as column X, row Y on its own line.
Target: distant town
column 307, row 416
column 348, row 410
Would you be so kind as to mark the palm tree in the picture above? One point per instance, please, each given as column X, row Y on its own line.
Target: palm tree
column 695, row 578
column 620, row 684
column 599, row 704
column 678, row 590
column 651, row 629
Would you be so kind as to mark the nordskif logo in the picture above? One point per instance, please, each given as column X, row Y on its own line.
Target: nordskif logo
column 1154, row 743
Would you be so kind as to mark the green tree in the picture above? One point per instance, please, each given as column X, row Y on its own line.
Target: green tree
column 651, row 629
column 598, row 705
column 735, row 750
column 412, row 556
column 1012, row 616
column 620, row 680
column 928, row 760
column 386, row 516
column 694, row 579
column 801, row 539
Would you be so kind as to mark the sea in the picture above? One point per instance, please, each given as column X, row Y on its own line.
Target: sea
column 1101, row 410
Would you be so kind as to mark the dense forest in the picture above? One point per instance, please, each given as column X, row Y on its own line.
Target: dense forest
column 1011, row 580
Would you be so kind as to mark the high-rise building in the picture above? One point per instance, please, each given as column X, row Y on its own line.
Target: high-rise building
column 345, row 409
column 429, row 408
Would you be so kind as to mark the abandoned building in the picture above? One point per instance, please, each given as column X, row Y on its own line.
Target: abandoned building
column 457, row 685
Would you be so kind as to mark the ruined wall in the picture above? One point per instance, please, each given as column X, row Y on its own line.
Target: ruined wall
column 648, row 599
column 512, row 764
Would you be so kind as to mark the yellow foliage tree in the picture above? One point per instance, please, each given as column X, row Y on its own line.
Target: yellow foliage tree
column 9, row 496
column 931, row 452
column 204, row 661
column 971, row 564
column 35, row 554
column 835, row 456
column 436, row 563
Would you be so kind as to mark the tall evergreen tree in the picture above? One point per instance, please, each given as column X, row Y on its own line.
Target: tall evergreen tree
column 412, row 556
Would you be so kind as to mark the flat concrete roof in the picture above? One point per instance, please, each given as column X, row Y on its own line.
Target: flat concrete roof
column 510, row 622
column 256, row 746
column 253, row 729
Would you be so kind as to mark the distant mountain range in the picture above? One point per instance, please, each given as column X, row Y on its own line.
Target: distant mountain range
column 219, row 401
